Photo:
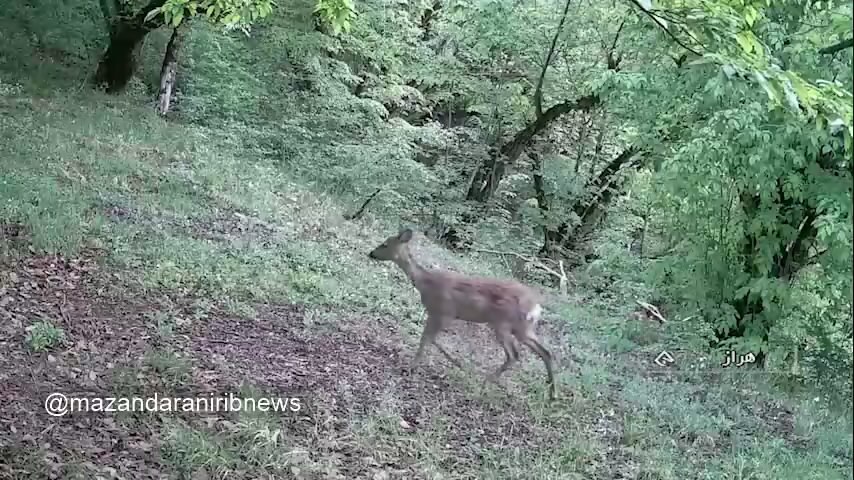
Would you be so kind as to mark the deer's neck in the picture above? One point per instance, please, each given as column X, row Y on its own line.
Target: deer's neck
column 410, row 267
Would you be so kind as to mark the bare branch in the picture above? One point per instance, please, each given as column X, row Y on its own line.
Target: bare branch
column 361, row 209
column 538, row 92
column 652, row 310
column 562, row 276
column 814, row 259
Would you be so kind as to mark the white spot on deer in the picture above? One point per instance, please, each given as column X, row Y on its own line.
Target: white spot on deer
column 535, row 314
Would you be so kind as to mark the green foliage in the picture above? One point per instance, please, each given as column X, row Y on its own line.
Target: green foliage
column 336, row 13
column 240, row 199
column 240, row 15
column 731, row 34
column 754, row 149
column 742, row 153
column 44, row 335
column 233, row 14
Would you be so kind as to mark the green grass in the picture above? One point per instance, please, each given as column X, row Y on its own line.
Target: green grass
column 234, row 217
column 44, row 335
column 150, row 196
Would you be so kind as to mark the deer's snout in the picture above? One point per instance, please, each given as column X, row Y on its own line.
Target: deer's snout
column 372, row 255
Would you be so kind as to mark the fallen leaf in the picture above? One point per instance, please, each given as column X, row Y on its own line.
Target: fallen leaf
column 142, row 445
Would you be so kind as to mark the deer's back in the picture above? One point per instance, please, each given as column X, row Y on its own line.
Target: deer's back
column 475, row 299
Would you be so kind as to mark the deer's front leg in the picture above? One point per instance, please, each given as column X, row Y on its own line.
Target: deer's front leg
column 428, row 336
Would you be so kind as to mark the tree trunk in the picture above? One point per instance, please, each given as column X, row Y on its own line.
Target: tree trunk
column 589, row 211
column 751, row 316
column 550, row 236
column 491, row 171
column 489, row 174
column 542, row 200
column 428, row 17
column 118, row 64
column 169, row 71
column 639, row 236
column 596, row 208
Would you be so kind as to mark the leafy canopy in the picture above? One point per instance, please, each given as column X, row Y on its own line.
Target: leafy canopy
column 241, row 14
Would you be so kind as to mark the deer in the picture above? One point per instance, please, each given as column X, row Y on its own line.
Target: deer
column 509, row 308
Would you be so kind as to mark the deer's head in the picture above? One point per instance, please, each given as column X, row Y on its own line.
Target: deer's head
column 392, row 247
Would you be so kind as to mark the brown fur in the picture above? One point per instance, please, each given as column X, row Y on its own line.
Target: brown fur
column 509, row 308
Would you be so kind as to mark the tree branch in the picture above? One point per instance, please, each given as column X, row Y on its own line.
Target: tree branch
column 523, row 138
column 361, row 209
column 789, row 264
column 652, row 310
column 837, row 47
column 814, row 259
column 562, row 276
column 657, row 21
column 538, row 92
column 617, row 35
column 613, row 62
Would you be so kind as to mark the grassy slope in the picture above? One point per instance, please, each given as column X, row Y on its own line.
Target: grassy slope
column 218, row 264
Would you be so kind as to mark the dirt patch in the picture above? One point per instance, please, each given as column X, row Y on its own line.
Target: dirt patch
column 61, row 291
column 348, row 373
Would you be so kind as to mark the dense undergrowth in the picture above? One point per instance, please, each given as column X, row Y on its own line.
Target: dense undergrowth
column 236, row 205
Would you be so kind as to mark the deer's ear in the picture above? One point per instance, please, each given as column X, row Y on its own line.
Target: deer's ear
column 405, row 235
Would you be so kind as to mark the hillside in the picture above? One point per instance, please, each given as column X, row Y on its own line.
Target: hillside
column 213, row 252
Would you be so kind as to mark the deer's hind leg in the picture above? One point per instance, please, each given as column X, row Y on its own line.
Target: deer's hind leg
column 505, row 338
column 530, row 340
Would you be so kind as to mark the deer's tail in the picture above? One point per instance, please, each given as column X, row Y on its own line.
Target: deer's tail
column 534, row 314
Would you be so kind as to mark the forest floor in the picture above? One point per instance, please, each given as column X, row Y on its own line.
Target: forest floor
column 192, row 264
column 363, row 413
